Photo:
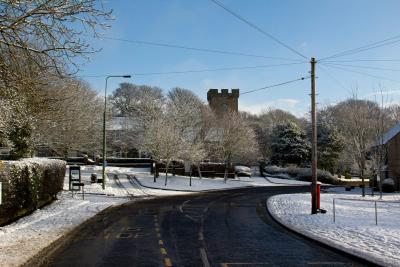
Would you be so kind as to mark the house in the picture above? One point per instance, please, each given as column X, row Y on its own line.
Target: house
column 392, row 142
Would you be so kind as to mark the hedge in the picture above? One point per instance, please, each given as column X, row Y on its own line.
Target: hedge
column 29, row 184
column 302, row 174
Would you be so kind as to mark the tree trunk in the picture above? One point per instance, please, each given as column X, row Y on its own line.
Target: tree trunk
column 362, row 181
column 166, row 173
column 226, row 173
column 190, row 179
column 198, row 169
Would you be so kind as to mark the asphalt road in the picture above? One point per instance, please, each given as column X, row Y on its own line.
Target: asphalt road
column 227, row 229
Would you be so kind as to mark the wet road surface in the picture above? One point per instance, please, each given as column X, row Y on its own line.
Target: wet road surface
column 227, row 229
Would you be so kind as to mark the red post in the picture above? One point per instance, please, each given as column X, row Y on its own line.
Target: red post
column 318, row 195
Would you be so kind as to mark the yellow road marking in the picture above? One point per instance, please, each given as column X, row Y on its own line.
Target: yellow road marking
column 157, row 229
column 167, row 262
column 163, row 251
column 160, row 242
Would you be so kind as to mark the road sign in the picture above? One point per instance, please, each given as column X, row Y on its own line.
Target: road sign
column 74, row 178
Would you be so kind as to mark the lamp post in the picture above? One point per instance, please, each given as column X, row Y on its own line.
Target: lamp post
column 104, row 125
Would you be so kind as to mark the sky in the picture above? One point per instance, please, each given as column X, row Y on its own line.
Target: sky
column 314, row 28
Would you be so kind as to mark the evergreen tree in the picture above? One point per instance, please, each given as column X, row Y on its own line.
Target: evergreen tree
column 289, row 145
column 330, row 146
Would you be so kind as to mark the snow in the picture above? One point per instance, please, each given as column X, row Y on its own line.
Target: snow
column 354, row 230
column 21, row 240
column 204, row 184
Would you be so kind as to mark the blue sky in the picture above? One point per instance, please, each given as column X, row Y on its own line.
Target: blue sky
column 312, row 27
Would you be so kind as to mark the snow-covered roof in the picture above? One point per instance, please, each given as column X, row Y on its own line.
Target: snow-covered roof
column 120, row 124
column 391, row 133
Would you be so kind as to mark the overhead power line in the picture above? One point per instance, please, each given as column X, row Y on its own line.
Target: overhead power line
column 201, row 70
column 241, row 18
column 362, row 60
column 333, row 78
column 207, row 50
column 360, row 73
column 276, row 85
column 363, row 67
column 388, row 41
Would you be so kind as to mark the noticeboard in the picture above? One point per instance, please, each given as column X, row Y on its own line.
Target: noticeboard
column 74, row 178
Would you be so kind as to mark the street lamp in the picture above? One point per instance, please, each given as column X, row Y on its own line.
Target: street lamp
column 104, row 125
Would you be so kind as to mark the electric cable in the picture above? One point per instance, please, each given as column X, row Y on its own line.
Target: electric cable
column 241, row 18
column 276, row 85
column 199, row 71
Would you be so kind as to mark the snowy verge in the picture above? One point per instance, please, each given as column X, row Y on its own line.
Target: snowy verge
column 353, row 232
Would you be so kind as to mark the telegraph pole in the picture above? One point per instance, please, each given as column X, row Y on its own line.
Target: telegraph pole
column 314, row 140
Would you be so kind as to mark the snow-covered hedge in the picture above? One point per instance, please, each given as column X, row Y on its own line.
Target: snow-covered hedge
column 302, row 174
column 29, row 184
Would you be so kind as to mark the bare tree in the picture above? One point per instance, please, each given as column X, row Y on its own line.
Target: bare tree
column 140, row 103
column 381, row 124
column 69, row 119
column 233, row 138
column 49, row 33
column 163, row 141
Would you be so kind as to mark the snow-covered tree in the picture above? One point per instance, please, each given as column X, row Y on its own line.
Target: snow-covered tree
column 330, row 146
column 5, row 115
column 264, row 124
column 141, row 104
column 47, row 33
column 162, row 140
column 186, row 111
column 233, row 138
column 289, row 145
column 70, row 118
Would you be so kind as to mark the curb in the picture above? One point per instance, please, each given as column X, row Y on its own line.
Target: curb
column 191, row 191
column 370, row 261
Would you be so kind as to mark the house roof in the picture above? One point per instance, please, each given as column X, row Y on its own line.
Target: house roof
column 391, row 133
column 120, row 124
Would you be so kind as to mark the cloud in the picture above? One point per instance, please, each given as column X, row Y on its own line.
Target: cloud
column 290, row 105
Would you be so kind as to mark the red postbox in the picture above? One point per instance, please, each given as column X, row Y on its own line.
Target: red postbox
column 318, row 189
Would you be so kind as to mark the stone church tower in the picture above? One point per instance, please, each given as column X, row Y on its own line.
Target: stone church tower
column 223, row 102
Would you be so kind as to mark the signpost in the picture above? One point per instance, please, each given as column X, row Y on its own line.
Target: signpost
column 74, row 178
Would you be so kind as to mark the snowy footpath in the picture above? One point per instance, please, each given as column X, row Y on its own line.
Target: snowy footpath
column 23, row 239
column 354, row 229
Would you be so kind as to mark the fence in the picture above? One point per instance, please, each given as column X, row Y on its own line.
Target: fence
column 361, row 200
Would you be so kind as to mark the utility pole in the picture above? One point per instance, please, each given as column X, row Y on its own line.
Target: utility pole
column 314, row 199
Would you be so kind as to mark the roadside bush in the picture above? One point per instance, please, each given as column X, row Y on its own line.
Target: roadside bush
column 388, row 185
column 305, row 174
column 273, row 169
column 302, row 174
column 29, row 184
